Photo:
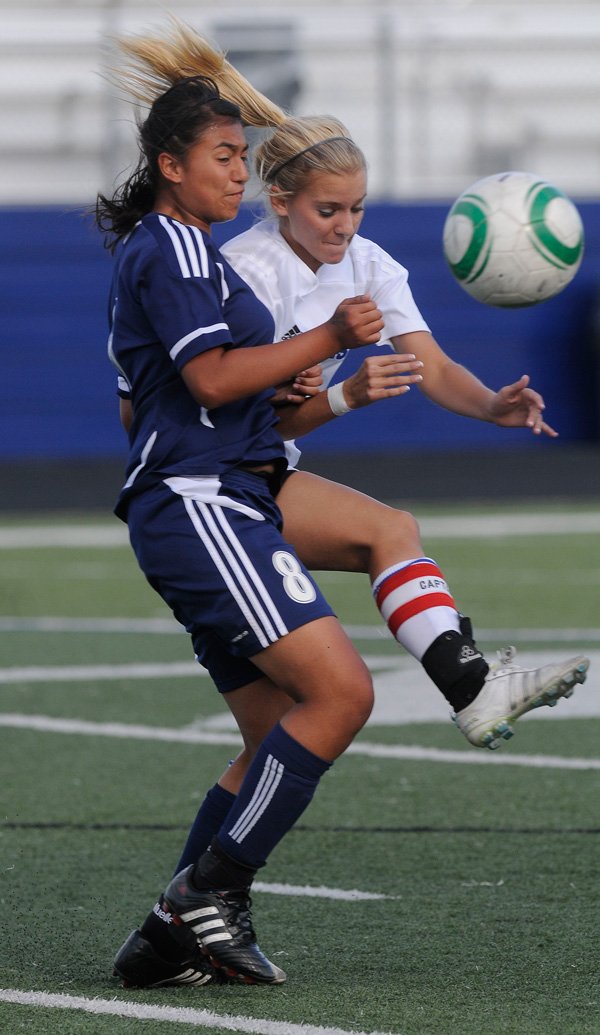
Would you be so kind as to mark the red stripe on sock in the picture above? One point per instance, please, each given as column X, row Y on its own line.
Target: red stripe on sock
column 416, row 607
column 400, row 578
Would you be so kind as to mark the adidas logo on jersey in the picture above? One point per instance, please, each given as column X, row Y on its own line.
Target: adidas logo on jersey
column 293, row 331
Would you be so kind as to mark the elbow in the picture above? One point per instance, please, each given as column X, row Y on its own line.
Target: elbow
column 209, row 393
column 211, row 398
column 206, row 382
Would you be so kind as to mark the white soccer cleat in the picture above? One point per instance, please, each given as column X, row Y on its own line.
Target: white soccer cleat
column 509, row 692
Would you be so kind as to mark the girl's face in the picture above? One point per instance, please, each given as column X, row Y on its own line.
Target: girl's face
column 319, row 222
column 207, row 185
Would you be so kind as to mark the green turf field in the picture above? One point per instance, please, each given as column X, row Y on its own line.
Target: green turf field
column 473, row 881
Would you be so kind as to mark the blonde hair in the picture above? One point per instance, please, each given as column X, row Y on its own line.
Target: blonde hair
column 303, row 145
column 299, row 145
column 156, row 63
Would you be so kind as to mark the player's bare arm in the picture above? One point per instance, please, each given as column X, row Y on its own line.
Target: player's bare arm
column 220, row 375
column 452, row 386
column 378, row 378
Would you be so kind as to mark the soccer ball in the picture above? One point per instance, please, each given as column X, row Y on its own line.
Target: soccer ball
column 513, row 240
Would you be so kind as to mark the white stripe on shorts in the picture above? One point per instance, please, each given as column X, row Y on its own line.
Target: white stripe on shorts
column 272, row 623
column 226, row 562
column 248, row 567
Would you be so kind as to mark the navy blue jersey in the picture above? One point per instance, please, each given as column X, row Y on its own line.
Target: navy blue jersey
column 173, row 297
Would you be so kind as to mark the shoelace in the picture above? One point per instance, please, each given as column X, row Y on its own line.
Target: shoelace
column 239, row 904
column 506, row 657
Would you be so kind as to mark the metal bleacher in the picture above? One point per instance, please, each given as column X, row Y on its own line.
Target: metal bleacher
column 437, row 93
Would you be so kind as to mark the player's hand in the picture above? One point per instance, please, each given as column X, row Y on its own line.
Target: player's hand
column 357, row 322
column 300, row 388
column 518, row 406
column 306, row 384
column 382, row 377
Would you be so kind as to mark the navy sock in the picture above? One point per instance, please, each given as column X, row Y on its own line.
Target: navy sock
column 278, row 786
column 211, row 816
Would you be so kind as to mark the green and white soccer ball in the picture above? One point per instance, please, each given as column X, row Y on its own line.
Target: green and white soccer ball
column 513, row 240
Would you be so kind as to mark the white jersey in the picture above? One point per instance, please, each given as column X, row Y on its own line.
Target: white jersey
column 299, row 299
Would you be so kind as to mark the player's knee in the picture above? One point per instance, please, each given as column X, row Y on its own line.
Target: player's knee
column 354, row 706
column 405, row 526
column 362, row 709
column 397, row 528
column 388, row 532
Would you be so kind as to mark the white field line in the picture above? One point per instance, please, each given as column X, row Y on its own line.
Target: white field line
column 120, row 730
column 130, row 731
column 481, row 526
column 131, row 670
column 338, row 894
column 77, row 673
column 172, row 1014
column 33, row 537
column 57, row 624
column 403, row 693
column 168, row 626
column 472, row 757
column 491, row 526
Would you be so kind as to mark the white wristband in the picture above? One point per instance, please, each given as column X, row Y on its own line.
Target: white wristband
column 336, row 400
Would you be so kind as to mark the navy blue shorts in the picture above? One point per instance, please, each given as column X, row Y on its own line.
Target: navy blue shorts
column 213, row 549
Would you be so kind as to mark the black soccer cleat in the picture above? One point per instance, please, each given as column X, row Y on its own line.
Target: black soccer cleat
column 140, row 966
column 222, row 925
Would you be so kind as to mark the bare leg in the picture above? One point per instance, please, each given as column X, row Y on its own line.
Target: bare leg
column 319, row 668
column 335, row 528
column 338, row 700
column 257, row 708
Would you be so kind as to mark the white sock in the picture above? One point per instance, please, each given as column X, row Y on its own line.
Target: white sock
column 416, row 604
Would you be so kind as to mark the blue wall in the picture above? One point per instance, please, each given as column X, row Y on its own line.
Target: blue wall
column 57, row 394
